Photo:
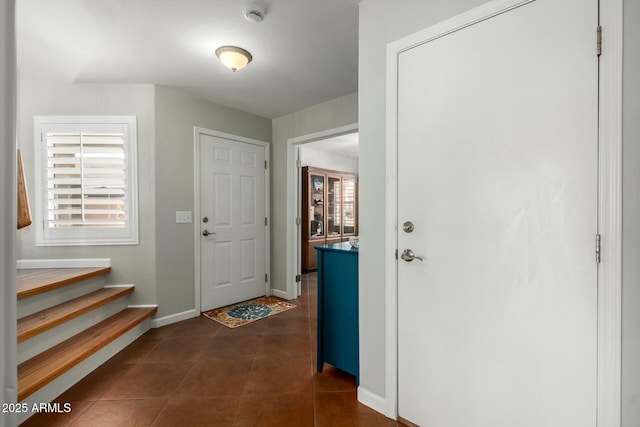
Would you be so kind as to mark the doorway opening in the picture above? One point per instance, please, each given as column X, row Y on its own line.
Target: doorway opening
column 334, row 149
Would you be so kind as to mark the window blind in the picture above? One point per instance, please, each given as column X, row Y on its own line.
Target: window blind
column 86, row 182
column 349, row 206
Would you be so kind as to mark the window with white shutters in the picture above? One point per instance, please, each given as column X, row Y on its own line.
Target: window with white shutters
column 87, row 185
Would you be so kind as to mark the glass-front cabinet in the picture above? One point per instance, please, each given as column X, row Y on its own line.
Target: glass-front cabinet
column 329, row 210
column 334, row 205
column 316, row 206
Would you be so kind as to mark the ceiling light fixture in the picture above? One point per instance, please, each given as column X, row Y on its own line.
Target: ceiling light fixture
column 233, row 57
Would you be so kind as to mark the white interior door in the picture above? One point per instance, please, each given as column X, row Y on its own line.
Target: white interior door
column 497, row 170
column 233, row 248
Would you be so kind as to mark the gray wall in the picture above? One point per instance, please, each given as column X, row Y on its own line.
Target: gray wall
column 176, row 115
column 39, row 96
column 328, row 115
column 162, row 265
column 8, row 372
column 631, row 218
column 381, row 22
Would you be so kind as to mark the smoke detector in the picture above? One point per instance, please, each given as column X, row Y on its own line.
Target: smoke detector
column 254, row 13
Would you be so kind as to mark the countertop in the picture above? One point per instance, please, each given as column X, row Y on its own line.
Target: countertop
column 337, row 247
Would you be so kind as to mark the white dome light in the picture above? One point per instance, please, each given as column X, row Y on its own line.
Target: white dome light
column 233, row 57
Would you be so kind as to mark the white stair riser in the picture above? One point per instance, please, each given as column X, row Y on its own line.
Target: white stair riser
column 44, row 341
column 58, row 386
column 36, row 303
column 63, row 263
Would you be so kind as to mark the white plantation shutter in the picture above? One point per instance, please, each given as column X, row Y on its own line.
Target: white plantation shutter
column 88, row 180
column 349, row 205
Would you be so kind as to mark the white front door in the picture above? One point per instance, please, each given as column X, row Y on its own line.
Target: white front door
column 233, row 244
column 497, row 171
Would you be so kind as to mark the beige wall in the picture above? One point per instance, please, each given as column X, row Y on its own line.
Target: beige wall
column 176, row 115
column 328, row 115
column 631, row 218
column 38, row 96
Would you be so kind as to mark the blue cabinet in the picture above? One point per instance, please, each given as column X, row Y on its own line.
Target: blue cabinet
column 338, row 307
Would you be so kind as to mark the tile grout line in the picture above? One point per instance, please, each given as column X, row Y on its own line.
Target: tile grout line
column 175, row 391
column 200, row 357
column 313, row 372
column 244, row 389
column 85, row 410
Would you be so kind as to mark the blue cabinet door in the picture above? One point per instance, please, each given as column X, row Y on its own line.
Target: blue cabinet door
column 338, row 308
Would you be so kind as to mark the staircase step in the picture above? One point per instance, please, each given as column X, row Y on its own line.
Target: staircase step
column 49, row 365
column 34, row 281
column 44, row 320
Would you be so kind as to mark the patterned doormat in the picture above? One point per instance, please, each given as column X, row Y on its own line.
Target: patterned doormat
column 245, row 312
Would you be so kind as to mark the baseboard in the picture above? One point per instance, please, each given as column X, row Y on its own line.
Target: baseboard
column 373, row 401
column 63, row 263
column 280, row 294
column 173, row 318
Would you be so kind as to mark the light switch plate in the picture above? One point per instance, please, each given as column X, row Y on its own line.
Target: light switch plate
column 183, row 217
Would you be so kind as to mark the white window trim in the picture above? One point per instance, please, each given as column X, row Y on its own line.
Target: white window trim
column 79, row 237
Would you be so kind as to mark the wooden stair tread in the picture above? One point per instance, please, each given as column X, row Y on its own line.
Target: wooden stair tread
column 33, row 281
column 40, row 370
column 37, row 323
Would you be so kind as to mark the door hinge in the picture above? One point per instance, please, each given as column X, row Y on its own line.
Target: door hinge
column 599, row 40
column 298, row 164
column 396, row 254
column 266, row 278
column 266, row 221
column 298, row 221
column 598, row 249
column 265, row 165
column 298, row 278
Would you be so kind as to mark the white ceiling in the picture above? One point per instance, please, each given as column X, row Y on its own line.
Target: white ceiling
column 343, row 145
column 304, row 52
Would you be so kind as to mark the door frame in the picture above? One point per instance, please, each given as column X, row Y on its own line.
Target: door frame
column 197, row 132
column 609, row 299
column 294, row 194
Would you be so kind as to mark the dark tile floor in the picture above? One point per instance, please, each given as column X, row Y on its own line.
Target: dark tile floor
column 200, row 373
